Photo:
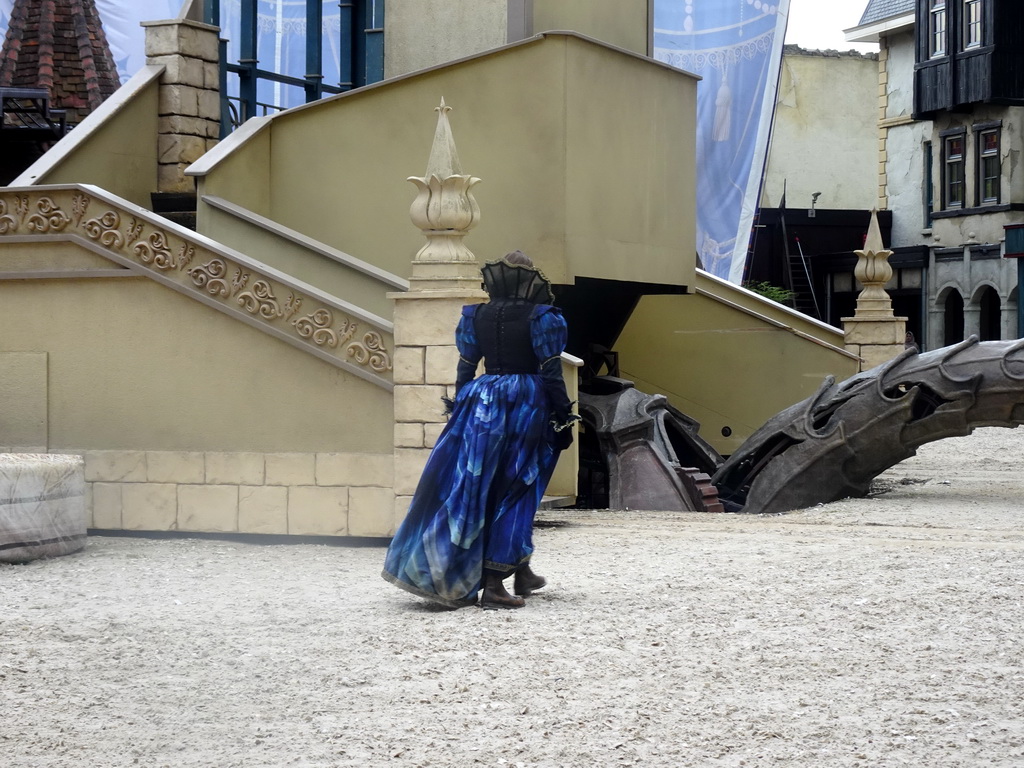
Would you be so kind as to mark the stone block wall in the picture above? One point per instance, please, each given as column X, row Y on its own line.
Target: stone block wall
column 875, row 341
column 424, row 372
column 313, row 494
column 189, row 105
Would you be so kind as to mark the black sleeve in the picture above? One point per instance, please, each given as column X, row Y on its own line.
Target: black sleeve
column 554, row 386
column 562, row 416
column 469, row 349
column 464, row 373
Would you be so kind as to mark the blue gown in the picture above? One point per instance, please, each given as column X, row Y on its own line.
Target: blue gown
column 481, row 487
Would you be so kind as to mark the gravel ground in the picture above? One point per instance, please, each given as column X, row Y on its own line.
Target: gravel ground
column 873, row 632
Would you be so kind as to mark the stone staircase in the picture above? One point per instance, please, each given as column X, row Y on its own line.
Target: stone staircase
column 151, row 245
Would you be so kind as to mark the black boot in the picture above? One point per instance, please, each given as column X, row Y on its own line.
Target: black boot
column 495, row 595
column 527, row 582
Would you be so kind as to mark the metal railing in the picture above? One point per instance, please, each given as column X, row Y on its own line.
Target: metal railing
column 363, row 64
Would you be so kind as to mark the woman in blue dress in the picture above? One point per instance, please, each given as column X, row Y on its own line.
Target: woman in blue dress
column 470, row 523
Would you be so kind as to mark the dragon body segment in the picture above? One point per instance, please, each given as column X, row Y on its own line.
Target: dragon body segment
column 833, row 444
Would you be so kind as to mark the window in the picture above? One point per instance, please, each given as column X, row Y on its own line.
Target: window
column 301, row 65
column 953, row 318
column 991, row 316
column 953, row 171
column 988, row 166
column 937, row 28
column 929, row 195
column 972, row 23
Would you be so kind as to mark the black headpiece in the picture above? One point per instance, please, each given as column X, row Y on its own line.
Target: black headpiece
column 505, row 280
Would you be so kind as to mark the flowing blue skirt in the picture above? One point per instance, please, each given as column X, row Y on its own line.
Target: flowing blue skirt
column 476, row 500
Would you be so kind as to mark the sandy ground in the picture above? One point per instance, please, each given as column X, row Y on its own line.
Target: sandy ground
column 874, row 632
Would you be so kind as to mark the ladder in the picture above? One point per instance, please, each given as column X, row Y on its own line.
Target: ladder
column 801, row 282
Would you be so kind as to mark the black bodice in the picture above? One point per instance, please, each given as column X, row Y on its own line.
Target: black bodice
column 503, row 333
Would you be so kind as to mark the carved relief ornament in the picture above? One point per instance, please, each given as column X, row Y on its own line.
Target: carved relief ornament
column 7, row 222
column 47, row 218
column 165, row 252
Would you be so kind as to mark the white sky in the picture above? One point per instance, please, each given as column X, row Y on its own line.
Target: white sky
column 820, row 23
column 812, row 23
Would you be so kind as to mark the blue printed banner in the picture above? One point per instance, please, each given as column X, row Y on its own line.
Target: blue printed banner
column 736, row 47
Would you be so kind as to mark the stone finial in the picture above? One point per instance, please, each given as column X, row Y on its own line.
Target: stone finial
column 445, row 277
column 874, row 334
column 444, row 157
column 873, row 271
column 444, row 209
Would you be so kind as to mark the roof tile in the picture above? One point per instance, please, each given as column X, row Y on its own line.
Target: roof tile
column 64, row 37
column 879, row 10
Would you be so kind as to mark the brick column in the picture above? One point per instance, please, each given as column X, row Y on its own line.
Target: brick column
column 189, row 96
column 445, row 276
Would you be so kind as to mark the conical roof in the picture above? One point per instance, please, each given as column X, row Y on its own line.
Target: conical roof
column 59, row 45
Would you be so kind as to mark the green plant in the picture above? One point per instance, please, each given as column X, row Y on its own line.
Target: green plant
column 773, row 292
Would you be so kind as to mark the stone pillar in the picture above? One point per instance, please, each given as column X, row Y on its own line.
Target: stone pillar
column 972, row 319
column 874, row 333
column 1008, row 320
column 936, row 323
column 445, row 276
column 189, row 96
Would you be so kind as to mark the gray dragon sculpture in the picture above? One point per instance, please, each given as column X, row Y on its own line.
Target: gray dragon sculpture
column 827, row 447
column 833, row 444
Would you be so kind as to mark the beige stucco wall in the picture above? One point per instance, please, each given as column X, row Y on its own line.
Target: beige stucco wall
column 114, row 148
column 585, row 153
column 905, row 175
column 899, row 67
column 424, row 33
column 301, row 263
column 133, row 365
column 629, row 196
column 728, row 360
column 625, row 23
column 187, row 419
column 827, row 109
column 242, row 177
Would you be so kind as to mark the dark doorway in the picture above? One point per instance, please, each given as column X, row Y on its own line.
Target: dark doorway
column 953, row 319
column 991, row 320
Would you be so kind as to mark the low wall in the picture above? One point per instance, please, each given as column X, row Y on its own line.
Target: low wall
column 319, row 494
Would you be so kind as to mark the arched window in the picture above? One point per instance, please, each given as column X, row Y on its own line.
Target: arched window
column 991, row 323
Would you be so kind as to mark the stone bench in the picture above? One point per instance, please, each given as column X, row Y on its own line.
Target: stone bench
column 42, row 506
